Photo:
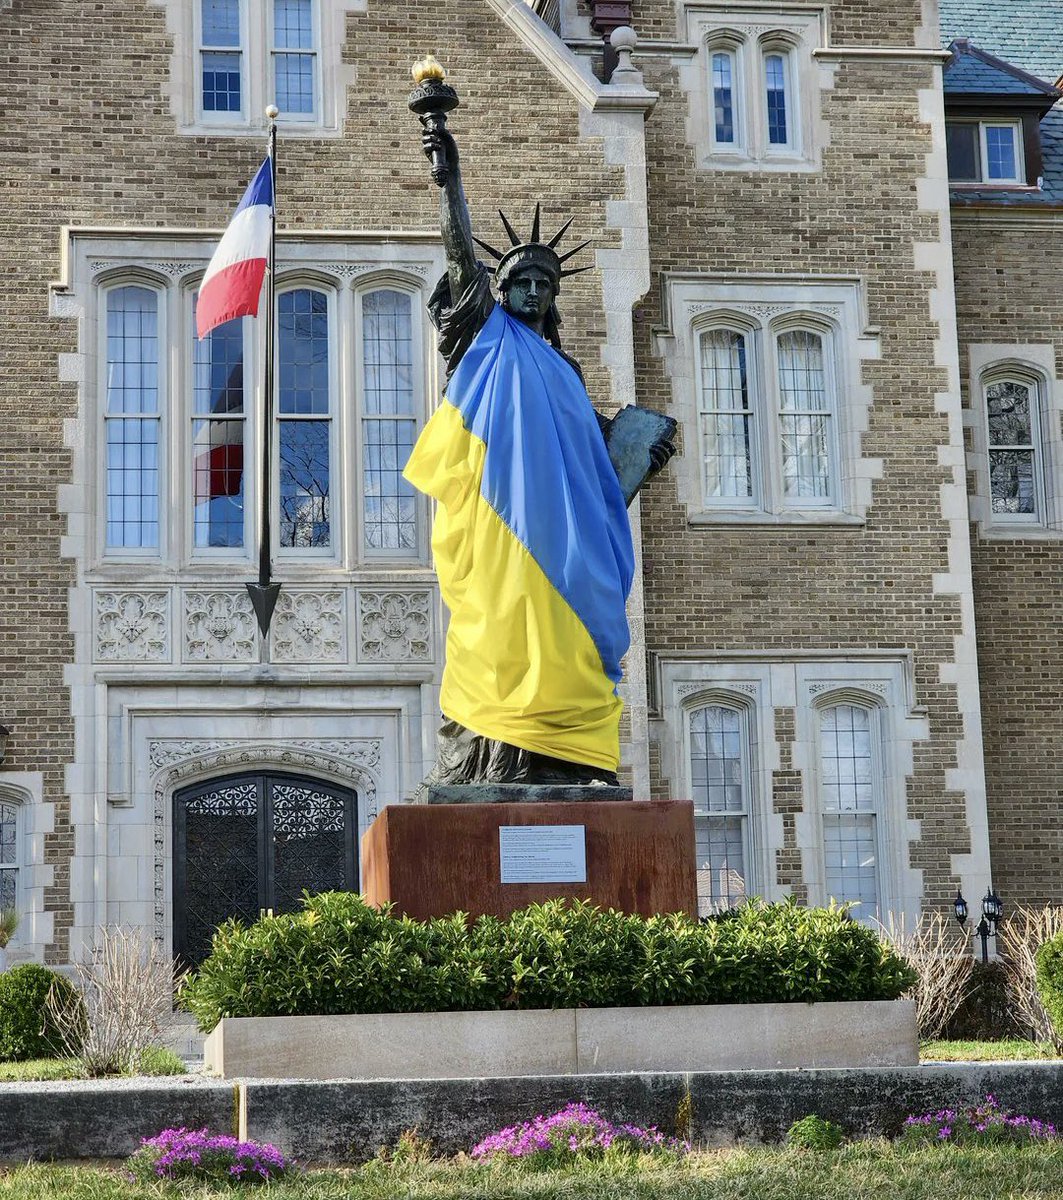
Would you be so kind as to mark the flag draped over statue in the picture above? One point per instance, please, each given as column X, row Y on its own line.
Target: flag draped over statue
column 532, row 548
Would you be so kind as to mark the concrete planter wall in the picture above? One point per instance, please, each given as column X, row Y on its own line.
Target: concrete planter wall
column 487, row 1045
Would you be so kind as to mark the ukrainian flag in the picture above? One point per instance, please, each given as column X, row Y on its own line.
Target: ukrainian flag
column 532, row 548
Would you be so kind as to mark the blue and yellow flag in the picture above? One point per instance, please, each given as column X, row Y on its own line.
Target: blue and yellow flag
column 532, row 548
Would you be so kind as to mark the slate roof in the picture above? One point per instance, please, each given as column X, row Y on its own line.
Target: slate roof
column 1027, row 34
column 974, row 71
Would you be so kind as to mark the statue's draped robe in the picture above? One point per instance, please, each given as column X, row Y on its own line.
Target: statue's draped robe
column 532, row 543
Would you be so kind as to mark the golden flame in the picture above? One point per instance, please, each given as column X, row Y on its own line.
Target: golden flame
column 427, row 68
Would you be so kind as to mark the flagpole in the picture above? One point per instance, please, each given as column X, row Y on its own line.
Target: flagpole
column 264, row 593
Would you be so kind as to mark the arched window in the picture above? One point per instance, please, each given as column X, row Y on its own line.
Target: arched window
column 131, row 420
column 725, row 416
column 720, row 777
column 850, row 773
column 805, row 415
column 304, row 411
column 389, row 421
column 9, row 855
column 724, row 97
column 1016, row 468
column 778, row 98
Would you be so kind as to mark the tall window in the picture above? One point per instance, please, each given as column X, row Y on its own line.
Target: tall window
column 848, row 806
column 218, row 437
column 723, row 97
column 777, row 98
column 132, row 418
column 804, row 416
column 1015, row 471
column 294, row 56
column 726, row 416
column 305, row 425
column 720, row 780
column 388, row 422
column 8, row 855
column 221, row 56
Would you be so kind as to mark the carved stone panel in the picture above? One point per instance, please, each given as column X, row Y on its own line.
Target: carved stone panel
column 219, row 627
column 132, row 627
column 395, row 626
column 309, row 627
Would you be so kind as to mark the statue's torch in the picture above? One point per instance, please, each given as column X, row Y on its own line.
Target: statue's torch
column 431, row 100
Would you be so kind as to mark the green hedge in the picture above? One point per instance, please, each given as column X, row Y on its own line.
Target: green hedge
column 1049, row 960
column 26, row 1027
column 339, row 955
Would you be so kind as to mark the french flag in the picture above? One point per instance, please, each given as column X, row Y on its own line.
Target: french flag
column 233, row 282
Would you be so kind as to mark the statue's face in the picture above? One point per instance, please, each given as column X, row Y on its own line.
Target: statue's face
column 530, row 294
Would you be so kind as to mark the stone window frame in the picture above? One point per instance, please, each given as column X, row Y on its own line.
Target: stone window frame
column 803, row 682
column 1034, row 363
column 404, row 269
column 34, row 819
column 332, row 76
column 769, row 305
column 750, row 34
column 13, row 801
column 723, row 697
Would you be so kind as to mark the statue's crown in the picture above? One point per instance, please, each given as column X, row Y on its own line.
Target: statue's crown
column 533, row 252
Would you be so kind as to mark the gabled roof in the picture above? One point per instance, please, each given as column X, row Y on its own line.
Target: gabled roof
column 1025, row 33
column 972, row 71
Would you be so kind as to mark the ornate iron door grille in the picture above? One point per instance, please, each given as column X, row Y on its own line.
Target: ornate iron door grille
column 251, row 842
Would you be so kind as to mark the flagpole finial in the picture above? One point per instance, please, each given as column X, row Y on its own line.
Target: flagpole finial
column 272, row 112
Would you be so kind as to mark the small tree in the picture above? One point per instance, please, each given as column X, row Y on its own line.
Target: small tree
column 127, row 991
column 939, row 953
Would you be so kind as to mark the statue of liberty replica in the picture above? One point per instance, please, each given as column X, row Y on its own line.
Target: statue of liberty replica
column 532, row 542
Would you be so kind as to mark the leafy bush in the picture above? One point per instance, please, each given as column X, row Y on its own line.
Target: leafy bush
column 814, row 1133
column 1049, row 964
column 339, row 955
column 575, row 1132
column 159, row 1060
column 27, row 1028
column 986, row 1123
column 206, row 1157
column 987, row 1011
column 1018, row 939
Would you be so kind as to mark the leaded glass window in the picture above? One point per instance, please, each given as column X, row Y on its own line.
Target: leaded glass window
column 294, row 57
column 725, row 416
column 720, row 782
column 389, row 421
column 848, row 806
column 304, row 407
column 1001, row 153
column 221, row 56
column 804, row 416
column 776, row 87
column 218, row 436
column 985, row 152
column 723, row 96
column 1011, row 407
column 131, row 420
column 8, row 856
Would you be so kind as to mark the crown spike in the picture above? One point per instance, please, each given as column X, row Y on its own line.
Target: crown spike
column 535, row 224
column 560, row 233
column 574, row 250
column 576, row 271
column 514, row 240
column 495, row 254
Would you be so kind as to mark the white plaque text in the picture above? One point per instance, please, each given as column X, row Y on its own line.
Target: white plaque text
column 543, row 853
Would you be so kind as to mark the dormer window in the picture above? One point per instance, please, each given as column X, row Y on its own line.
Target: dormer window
column 985, row 152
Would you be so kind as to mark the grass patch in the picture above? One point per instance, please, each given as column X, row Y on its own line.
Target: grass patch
column 156, row 1060
column 1006, row 1050
column 864, row 1171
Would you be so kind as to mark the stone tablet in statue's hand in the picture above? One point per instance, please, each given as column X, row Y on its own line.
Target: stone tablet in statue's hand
column 439, row 139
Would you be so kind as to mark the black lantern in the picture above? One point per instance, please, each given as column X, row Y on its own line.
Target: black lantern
column 992, row 908
column 960, row 907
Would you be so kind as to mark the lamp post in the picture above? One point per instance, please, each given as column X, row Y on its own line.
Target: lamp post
column 992, row 915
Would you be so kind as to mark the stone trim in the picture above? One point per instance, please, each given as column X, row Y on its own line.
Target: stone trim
column 36, row 819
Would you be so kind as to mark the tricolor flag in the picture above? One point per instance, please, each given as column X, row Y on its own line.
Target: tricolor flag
column 233, row 282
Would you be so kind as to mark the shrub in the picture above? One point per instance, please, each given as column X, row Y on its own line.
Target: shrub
column 987, row 1012
column 986, row 1123
column 27, row 1027
column 575, row 1132
column 339, row 955
column 206, row 1157
column 939, row 952
column 1049, row 967
column 814, row 1133
column 158, row 1060
column 1020, row 939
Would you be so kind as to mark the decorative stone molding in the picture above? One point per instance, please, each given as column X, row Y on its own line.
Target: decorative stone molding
column 219, row 627
column 309, row 627
column 692, row 689
column 132, row 626
column 351, row 270
column 353, row 761
column 877, row 686
column 395, row 626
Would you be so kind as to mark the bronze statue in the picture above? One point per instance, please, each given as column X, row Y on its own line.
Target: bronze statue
column 531, row 542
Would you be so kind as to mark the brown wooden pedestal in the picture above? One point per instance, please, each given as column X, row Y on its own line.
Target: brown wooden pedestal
column 434, row 859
